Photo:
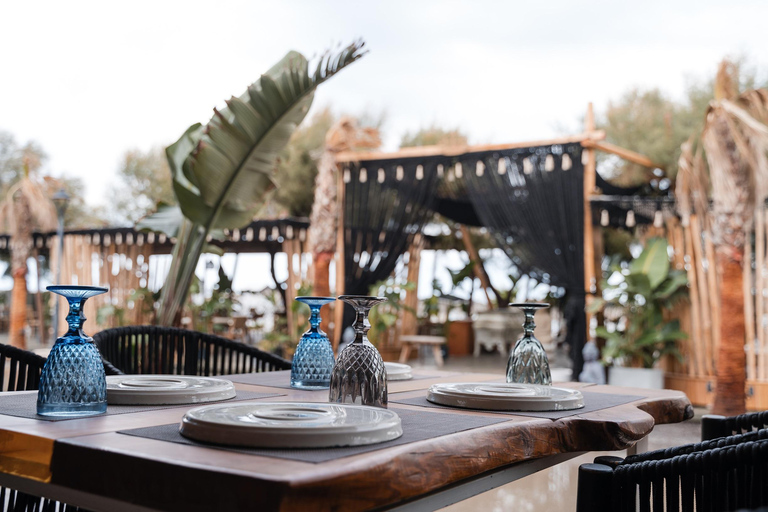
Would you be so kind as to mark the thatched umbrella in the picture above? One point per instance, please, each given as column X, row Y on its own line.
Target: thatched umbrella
column 26, row 208
column 735, row 139
column 345, row 135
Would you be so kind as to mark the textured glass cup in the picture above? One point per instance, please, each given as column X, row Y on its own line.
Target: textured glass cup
column 359, row 376
column 72, row 382
column 528, row 363
column 313, row 360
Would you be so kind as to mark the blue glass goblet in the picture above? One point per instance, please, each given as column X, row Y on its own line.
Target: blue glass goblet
column 73, row 382
column 313, row 360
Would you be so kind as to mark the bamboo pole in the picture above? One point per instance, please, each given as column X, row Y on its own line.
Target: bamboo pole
column 626, row 154
column 475, row 257
column 589, row 189
column 714, row 298
column 749, row 305
column 754, row 317
column 697, row 343
column 704, row 296
column 409, row 321
column 338, row 307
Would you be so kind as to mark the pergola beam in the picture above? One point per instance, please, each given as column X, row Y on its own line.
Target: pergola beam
column 626, row 154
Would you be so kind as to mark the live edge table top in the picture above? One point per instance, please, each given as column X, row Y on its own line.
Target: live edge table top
column 89, row 456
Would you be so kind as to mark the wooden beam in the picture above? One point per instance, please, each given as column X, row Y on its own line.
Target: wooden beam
column 626, row 154
column 338, row 306
column 475, row 256
column 590, row 173
column 423, row 151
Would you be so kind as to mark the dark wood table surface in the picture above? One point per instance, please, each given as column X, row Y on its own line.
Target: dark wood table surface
column 86, row 462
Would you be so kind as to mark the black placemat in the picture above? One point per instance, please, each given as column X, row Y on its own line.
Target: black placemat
column 592, row 402
column 282, row 379
column 417, row 426
column 24, row 405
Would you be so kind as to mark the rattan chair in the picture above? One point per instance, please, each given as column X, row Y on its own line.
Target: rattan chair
column 725, row 474
column 20, row 371
column 147, row 349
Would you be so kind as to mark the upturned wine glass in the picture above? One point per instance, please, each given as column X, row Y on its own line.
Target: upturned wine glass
column 359, row 375
column 72, row 382
column 313, row 360
column 528, row 363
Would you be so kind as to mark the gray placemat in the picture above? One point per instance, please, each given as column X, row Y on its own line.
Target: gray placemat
column 417, row 426
column 592, row 402
column 24, row 405
column 282, row 379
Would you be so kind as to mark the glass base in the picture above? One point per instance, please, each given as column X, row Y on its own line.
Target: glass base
column 312, row 384
column 65, row 410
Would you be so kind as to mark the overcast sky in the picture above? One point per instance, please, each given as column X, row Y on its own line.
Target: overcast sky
column 90, row 80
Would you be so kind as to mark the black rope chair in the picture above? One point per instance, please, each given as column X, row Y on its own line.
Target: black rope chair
column 23, row 370
column 714, row 426
column 147, row 349
column 721, row 474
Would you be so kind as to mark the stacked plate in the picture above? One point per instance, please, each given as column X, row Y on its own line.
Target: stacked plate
column 166, row 389
column 397, row 371
column 505, row 397
column 291, row 425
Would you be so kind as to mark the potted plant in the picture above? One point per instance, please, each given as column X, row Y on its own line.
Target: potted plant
column 383, row 318
column 641, row 292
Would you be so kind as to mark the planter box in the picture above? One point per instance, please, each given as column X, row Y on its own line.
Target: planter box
column 647, row 378
column 461, row 339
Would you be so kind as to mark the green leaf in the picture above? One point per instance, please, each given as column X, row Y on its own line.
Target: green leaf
column 675, row 281
column 167, row 219
column 653, row 262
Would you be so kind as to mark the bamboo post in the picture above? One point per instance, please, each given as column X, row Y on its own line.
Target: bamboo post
column 590, row 169
column 409, row 324
column 338, row 307
column 698, row 337
column 749, row 306
column 290, row 292
column 704, row 295
column 714, row 299
column 475, row 257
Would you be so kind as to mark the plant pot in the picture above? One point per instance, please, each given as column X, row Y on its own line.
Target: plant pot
column 460, row 337
column 647, row 378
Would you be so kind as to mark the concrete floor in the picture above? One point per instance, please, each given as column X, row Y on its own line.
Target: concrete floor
column 554, row 488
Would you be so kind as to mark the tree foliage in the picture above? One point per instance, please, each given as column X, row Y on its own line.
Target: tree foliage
column 432, row 136
column 144, row 180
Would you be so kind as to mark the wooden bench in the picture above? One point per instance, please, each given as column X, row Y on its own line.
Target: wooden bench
column 415, row 341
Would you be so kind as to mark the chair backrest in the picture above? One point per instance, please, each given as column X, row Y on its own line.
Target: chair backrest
column 147, row 349
column 714, row 426
column 725, row 474
column 19, row 369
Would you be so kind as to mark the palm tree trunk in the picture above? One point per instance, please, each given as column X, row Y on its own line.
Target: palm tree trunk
column 18, row 308
column 731, row 360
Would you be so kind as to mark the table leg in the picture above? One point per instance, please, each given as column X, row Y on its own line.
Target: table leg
column 438, row 352
column 405, row 352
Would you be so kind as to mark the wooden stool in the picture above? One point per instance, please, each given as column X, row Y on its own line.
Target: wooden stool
column 416, row 341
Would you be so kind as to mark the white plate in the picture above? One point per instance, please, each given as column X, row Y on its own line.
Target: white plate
column 166, row 389
column 397, row 371
column 291, row 424
column 505, row 397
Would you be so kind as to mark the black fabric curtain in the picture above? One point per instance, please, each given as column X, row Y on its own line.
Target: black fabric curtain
column 385, row 205
column 533, row 202
column 531, row 199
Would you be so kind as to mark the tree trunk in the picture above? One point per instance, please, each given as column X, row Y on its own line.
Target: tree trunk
column 731, row 361
column 18, row 308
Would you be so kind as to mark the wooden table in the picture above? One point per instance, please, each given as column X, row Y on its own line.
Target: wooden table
column 85, row 462
column 415, row 341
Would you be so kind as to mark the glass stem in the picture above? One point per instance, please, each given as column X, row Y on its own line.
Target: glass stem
column 529, row 324
column 314, row 318
column 362, row 325
column 76, row 317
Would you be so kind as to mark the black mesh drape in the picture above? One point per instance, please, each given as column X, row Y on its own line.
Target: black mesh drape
column 532, row 200
column 385, row 204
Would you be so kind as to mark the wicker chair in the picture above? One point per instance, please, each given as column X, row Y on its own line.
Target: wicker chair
column 148, row 349
column 23, row 370
column 714, row 426
column 725, row 474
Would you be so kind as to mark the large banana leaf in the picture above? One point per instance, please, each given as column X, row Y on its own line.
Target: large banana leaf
column 222, row 172
column 653, row 262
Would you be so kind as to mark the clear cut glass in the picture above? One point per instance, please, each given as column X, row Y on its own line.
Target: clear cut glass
column 313, row 360
column 359, row 376
column 73, row 382
column 528, row 363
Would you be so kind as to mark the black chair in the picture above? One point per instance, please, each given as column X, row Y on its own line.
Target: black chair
column 714, row 426
column 147, row 349
column 725, row 474
column 23, row 369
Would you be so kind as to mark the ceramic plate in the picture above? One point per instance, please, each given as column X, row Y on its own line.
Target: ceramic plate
column 166, row 389
column 397, row 371
column 505, row 397
column 291, row 424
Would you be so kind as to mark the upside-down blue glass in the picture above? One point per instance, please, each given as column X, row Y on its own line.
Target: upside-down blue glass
column 73, row 382
column 313, row 360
